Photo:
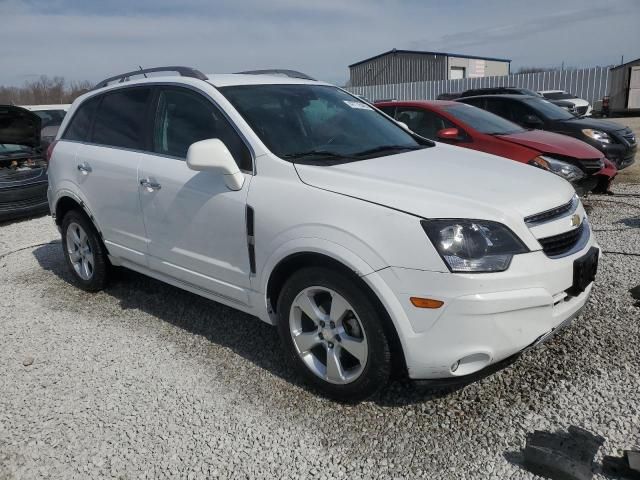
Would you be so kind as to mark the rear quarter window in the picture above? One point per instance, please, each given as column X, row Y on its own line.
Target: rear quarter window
column 80, row 124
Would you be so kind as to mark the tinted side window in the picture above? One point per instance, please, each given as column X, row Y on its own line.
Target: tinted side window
column 184, row 117
column 476, row 102
column 424, row 122
column 510, row 109
column 519, row 111
column 120, row 121
column 80, row 125
column 388, row 110
column 499, row 106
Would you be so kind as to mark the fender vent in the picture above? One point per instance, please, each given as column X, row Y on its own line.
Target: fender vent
column 251, row 241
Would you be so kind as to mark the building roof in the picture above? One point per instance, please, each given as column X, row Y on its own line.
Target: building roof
column 422, row 52
column 625, row 64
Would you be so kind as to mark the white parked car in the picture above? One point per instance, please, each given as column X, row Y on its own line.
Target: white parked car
column 51, row 117
column 290, row 199
column 581, row 106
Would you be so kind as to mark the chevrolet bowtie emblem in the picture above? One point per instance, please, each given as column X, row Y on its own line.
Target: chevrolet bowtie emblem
column 575, row 220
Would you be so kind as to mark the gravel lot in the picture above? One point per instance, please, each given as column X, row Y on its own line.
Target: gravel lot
column 147, row 381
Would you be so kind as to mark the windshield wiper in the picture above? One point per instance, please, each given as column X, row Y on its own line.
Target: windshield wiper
column 387, row 148
column 315, row 153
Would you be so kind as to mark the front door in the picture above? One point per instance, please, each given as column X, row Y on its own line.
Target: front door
column 196, row 226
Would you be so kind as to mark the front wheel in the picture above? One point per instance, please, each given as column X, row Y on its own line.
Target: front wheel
column 333, row 334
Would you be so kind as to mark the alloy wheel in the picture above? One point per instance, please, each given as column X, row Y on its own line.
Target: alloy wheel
column 328, row 335
column 79, row 250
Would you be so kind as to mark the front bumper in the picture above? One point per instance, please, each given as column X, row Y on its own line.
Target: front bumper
column 486, row 318
column 23, row 200
column 622, row 156
column 586, row 185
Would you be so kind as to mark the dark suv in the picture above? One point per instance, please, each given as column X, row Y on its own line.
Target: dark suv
column 618, row 143
column 563, row 103
column 498, row 91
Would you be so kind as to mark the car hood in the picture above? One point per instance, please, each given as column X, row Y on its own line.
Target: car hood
column 445, row 182
column 596, row 124
column 19, row 126
column 553, row 143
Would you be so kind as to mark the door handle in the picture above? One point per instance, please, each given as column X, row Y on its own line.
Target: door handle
column 84, row 168
column 150, row 184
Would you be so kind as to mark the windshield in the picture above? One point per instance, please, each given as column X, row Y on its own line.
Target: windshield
column 482, row 121
column 316, row 122
column 548, row 109
column 558, row 95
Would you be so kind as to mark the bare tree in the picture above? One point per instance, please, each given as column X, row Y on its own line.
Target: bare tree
column 44, row 90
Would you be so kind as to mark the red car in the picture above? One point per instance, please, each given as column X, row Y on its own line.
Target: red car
column 467, row 126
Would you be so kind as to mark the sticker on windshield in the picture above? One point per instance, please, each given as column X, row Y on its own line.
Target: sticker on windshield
column 358, row 105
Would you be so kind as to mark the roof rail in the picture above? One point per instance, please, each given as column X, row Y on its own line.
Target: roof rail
column 288, row 73
column 182, row 71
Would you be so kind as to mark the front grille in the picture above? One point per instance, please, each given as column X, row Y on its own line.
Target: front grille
column 582, row 110
column 592, row 165
column 560, row 244
column 554, row 213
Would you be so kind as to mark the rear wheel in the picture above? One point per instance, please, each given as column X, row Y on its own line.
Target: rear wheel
column 84, row 252
column 333, row 334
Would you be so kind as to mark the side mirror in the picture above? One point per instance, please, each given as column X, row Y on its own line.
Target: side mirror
column 449, row 134
column 212, row 155
column 532, row 121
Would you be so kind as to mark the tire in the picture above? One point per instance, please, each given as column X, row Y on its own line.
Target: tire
column 352, row 323
column 84, row 252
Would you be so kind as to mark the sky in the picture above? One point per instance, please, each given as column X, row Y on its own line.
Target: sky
column 91, row 40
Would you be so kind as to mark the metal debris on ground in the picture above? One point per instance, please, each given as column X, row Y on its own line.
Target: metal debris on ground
column 627, row 466
column 562, row 455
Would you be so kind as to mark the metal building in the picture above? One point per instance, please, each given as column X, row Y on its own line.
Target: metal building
column 402, row 66
column 624, row 87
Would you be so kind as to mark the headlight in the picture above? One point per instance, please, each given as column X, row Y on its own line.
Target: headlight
column 598, row 135
column 569, row 172
column 473, row 246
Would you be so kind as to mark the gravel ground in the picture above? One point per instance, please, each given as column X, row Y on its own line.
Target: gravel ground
column 147, row 381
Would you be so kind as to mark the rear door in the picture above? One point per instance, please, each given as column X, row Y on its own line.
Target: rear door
column 195, row 224
column 106, row 165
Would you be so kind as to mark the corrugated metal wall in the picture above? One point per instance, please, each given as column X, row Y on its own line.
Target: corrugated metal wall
column 399, row 68
column 589, row 83
column 619, row 89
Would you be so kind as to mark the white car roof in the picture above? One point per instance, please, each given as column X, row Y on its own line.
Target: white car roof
column 552, row 91
column 219, row 80
column 229, row 79
column 38, row 108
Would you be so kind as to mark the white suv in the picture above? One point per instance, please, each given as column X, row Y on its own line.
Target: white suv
column 294, row 201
